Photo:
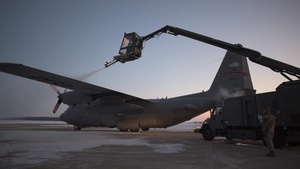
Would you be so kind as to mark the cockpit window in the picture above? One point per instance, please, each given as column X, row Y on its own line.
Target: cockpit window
column 216, row 111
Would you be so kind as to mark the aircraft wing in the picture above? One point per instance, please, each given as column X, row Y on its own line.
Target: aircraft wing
column 65, row 82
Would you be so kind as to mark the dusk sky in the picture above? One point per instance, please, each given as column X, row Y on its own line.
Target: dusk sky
column 74, row 37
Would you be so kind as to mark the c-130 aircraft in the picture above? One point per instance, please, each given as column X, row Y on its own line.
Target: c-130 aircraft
column 94, row 106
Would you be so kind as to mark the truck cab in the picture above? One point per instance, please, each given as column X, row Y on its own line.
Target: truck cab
column 213, row 126
column 237, row 117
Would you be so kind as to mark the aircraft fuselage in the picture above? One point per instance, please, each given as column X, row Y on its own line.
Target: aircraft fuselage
column 161, row 114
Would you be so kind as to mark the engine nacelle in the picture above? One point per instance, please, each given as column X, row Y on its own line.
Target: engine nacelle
column 75, row 98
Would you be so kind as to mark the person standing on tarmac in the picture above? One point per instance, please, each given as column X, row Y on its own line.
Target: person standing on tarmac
column 268, row 126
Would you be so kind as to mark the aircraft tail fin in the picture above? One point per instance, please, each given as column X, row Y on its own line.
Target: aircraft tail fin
column 233, row 77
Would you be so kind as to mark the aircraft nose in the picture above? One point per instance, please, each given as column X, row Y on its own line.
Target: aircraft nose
column 63, row 117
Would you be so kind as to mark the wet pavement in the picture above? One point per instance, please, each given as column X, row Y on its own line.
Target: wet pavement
column 58, row 146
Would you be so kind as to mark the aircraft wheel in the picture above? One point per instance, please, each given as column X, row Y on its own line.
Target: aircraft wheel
column 77, row 128
column 134, row 130
column 123, row 130
column 207, row 133
column 145, row 129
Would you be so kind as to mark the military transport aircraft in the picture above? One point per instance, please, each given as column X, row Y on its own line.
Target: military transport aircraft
column 94, row 106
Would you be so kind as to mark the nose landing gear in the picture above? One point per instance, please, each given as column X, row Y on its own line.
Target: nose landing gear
column 77, row 128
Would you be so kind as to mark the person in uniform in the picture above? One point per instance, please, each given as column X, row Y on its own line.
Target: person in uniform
column 268, row 126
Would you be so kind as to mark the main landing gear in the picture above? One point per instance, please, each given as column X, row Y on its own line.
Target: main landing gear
column 121, row 130
column 134, row 130
column 77, row 128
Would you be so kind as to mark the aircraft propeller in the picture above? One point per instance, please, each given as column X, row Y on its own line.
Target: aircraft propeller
column 59, row 101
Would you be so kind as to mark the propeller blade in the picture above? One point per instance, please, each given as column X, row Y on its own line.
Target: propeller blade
column 57, row 105
column 55, row 89
column 59, row 97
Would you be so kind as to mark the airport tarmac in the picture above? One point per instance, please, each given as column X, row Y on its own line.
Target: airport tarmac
column 59, row 146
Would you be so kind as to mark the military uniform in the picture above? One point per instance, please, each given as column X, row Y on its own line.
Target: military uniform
column 268, row 126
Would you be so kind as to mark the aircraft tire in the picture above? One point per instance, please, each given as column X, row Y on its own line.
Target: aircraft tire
column 77, row 128
column 123, row 130
column 145, row 129
column 207, row 133
column 135, row 130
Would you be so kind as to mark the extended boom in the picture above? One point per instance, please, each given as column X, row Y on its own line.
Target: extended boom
column 132, row 45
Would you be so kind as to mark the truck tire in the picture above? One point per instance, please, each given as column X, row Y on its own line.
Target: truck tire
column 293, row 143
column 279, row 138
column 228, row 138
column 264, row 142
column 207, row 133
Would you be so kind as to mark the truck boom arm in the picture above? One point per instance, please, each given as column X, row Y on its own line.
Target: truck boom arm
column 132, row 46
column 253, row 55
